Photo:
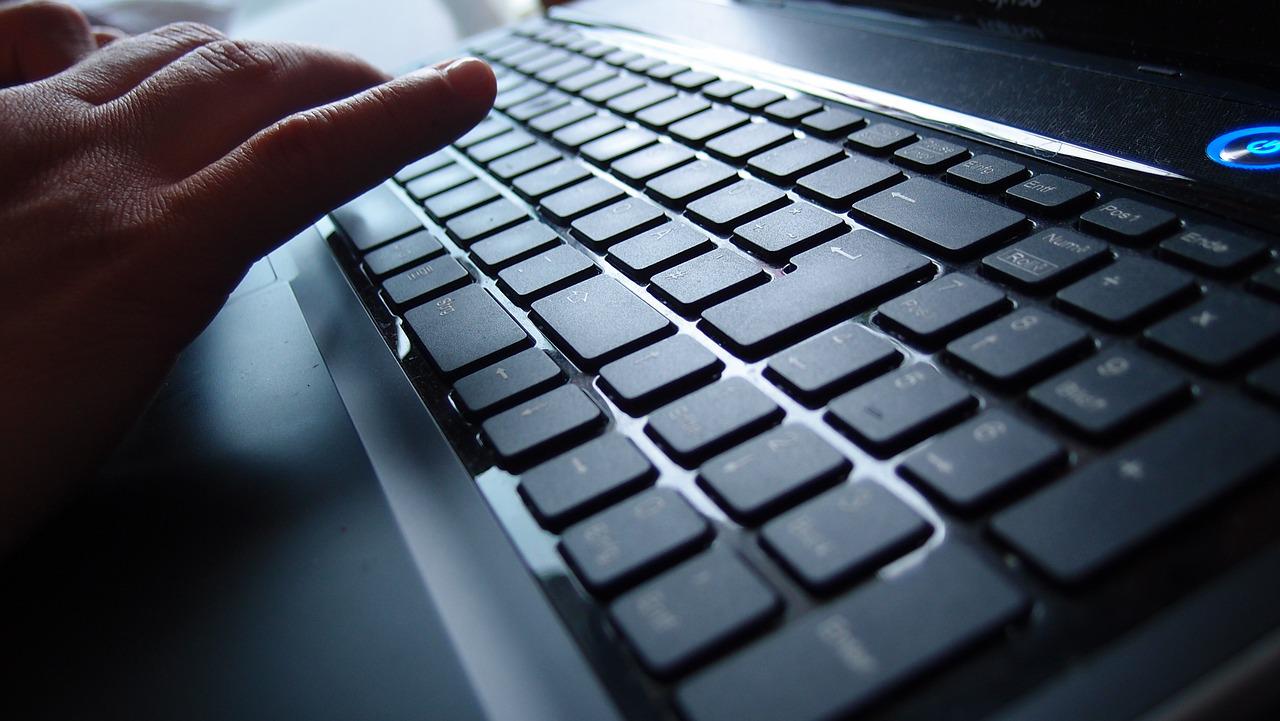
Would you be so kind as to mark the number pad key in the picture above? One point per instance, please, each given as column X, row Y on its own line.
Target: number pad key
column 1020, row 346
column 1108, row 395
column 897, row 410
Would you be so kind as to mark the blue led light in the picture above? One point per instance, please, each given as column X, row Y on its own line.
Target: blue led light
column 1247, row 149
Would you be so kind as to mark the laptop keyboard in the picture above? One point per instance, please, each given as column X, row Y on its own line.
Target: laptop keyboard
column 811, row 402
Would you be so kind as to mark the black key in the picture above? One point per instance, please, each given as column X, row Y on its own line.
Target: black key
column 634, row 539
column 1077, row 527
column 613, row 223
column 654, row 160
column 729, row 207
column 1110, row 394
column 640, row 99
column 583, row 80
column 770, row 472
column 983, row 459
column 832, row 662
column 945, row 219
column 508, row 382
column 1267, row 281
column 930, row 154
column 560, row 267
column 584, row 131
column 707, row 124
column 549, row 421
column 692, row 79
column 712, row 419
column 439, row 181
column 943, row 308
column 601, row 92
column 513, row 244
column 425, row 281
column 549, row 179
column 738, row 145
column 599, row 320
column 1128, row 220
column 556, row 73
column 1266, row 380
column 1047, row 259
column 694, row 610
column 787, row 231
column 724, row 89
column 986, row 173
column 666, row 71
column 567, row 115
column 829, row 280
column 847, row 532
column 706, row 279
column 465, row 330
column 792, row 110
column 880, row 138
column 895, row 411
column 756, row 98
column 374, row 218
column 797, row 157
column 565, row 205
column 673, row 110
column 652, row 375
column 1222, row 331
column 517, row 95
column 1208, row 249
column 411, row 249
column 460, row 199
column 832, row 361
column 584, row 480
column 422, row 166
column 653, row 251
column 523, row 161
column 831, row 122
column 485, row 129
column 613, row 146
column 1128, row 292
column 1020, row 346
column 620, row 57
column 488, row 219
column 544, row 103
column 840, row 184
column 1050, row 194
column 691, row 181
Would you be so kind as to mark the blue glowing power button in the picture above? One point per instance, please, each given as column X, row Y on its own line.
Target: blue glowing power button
column 1249, row 149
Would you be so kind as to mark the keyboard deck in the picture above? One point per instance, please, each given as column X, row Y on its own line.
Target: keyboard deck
column 790, row 404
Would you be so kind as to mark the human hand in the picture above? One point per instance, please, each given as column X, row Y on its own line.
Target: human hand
column 138, row 182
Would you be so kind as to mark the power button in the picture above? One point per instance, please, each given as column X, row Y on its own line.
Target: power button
column 1249, row 149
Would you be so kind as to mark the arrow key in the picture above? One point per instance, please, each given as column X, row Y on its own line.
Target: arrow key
column 550, row 421
column 508, row 382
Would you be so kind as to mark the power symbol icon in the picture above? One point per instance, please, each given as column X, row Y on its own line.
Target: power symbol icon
column 1264, row 147
column 1256, row 148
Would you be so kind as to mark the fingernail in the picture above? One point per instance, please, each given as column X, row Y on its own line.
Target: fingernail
column 470, row 78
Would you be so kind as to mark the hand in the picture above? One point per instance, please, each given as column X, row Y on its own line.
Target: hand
column 138, row 182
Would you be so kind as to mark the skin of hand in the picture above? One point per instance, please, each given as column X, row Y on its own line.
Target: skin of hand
column 138, row 182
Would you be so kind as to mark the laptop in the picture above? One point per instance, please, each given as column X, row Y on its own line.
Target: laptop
column 760, row 360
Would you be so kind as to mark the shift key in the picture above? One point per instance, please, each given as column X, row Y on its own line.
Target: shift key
column 465, row 330
column 943, row 219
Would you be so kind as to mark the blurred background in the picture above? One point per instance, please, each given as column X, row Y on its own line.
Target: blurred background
column 389, row 33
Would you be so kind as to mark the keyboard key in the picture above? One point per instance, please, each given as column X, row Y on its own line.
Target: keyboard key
column 1212, row 250
column 485, row 129
column 671, row 111
column 599, row 320
column 565, row 205
column 523, row 161
column 982, row 459
column 847, row 532
column 1046, row 193
column 1110, row 394
column 515, row 96
column 1128, row 292
column 513, row 244
column 880, row 138
column 895, row 411
column 852, row 178
column 986, row 173
column 832, row 361
column 643, row 64
column 439, row 181
column 829, row 280
column 943, row 308
column 724, row 89
column 652, row 161
column 692, row 79
column 666, row 71
column 712, row 419
column 1267, row 282
column 565, row 116
column 407, row 251
column 944, row 219
column 613, row 146
column 1079, row 526
column 613, row 223
column 549, row 421
column 691, row 181
column 1222, row 331
column 1047, row 259
column 508, row 382
column 557, row 268
column 688, row 613
column 620, row 57
column 461, row 199
column 584, row 480
column 930, row 154
column 549, row 179
column 585, row 79
column 545, row 61
column 797, row 157
column 696, row 129
column 425, row 281
column 706, row 279
column 787, row 231
column 584, row 131
column 545, row 103
column 653, row 251
column 657, row 373
column 634, row 539
column 1021, row 346
column 831, row 122
column 465, row 330
column 422, row 166
column 792, row 110
column 609, row 89
column 1128, row 220
column 640, row 99
column 738, row 145
column 771, row 471
column 485, row 220
column 375, row 218
column 756, row 98
column 556, row 73
column 729, row 207
column 1266, row 380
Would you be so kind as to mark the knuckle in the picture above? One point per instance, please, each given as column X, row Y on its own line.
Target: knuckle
column 188, row 34
column 239, row 59
column 295, row 145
